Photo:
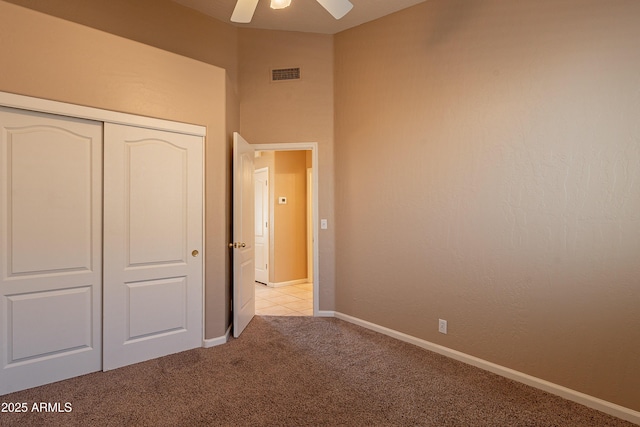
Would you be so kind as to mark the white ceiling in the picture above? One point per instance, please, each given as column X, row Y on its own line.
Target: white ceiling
column 303, row 15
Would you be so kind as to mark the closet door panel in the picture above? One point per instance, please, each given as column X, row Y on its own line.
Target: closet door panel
column 64, row 322
column 50, row 248
column 50, row 200
column 163, row 302
column 157, row 191
column 153, row 240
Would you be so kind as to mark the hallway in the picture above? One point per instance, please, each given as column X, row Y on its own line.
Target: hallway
column 293, row 300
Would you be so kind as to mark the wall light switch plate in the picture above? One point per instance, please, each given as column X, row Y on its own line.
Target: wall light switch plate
column 282, row 200
column 323, row 224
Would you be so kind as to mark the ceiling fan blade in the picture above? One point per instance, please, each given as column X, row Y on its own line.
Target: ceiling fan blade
column 338, row 8
column 243, row 13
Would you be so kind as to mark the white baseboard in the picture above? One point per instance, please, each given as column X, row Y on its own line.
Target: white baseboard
column 212, row 342
column 289, row 283
column 326, row 313
column 564, row 392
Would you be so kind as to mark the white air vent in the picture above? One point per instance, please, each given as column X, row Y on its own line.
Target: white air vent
column 285, row 74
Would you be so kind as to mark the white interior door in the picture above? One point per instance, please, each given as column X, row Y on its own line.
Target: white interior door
column 50, row 248
column 244, row 307
column 152, row 243
column 261, row 189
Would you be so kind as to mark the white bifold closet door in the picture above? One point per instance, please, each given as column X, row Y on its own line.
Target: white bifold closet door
column 153, row 229
column 50, row 248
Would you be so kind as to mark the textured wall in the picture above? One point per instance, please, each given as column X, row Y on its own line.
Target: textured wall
column 161, row 23
column 488, row 172
column 293, row 112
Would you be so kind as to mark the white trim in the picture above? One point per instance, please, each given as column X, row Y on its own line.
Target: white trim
column 564, row 392
column 326, row 313
column 89, row 113
column 310, row 220
column 289, row 283
column 203, row 245
column 313, row 146
column 212, row 342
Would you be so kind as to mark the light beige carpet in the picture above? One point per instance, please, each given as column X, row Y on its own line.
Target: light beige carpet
column 302, row 371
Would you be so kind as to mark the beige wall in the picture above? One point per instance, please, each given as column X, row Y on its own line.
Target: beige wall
column 88, row 67
column 290, row 220
column 487, row 170
column 161, row 23
column 293, row 112
column 265, row 159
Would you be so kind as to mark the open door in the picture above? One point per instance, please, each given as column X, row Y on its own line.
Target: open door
column 243, row 235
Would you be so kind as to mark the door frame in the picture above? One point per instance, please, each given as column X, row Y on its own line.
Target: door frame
column 313, row 147
column 310, row 220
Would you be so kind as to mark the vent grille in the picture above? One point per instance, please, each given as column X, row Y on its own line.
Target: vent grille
column 284, row 74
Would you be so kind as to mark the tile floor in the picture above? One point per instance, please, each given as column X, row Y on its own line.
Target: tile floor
column 293, row 300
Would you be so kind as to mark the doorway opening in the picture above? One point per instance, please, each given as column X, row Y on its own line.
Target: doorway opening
column 286, row 244
column 244, row 292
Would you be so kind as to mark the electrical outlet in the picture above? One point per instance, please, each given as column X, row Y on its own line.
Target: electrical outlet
column 442, row 326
